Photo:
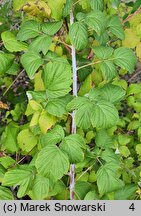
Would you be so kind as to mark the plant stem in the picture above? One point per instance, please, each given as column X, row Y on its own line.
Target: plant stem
column 74, row 68
column 72, row 181
column 99, row 161
column 89, row 168
column 77, row 2
column 62, row 42
column 132, row 15
column 90, row 64
column 12, row 83
column 94, row 63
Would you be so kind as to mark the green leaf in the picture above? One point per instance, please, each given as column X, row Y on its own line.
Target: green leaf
column 26, row 140
column 19, row 176
column 67, row 8
column 124, row 151
column 138, row 149
column 2, row 172
column 116, row 28
column 97, row 21
column 73, row 151
column 39, row 96
column 57, row 188
column 92, row 177
column 97, row 4
column 83, row 115
column 103, row 140
column 73, row 145
column 51, row 28
column 104, row 115
column 29, row 29
column 31, row 62
column 112, row 93
column 57, row 106
column 77, row 103
column 102, row 39
column 107, row 180
column 91, row 195
column 84, row 110
column 78, row 35
column 7, row 161
column 53, row 137
column 134, row 88
column 11, row 43
column 16, row 176
column 79, row 193
column 86, row 86
column 126, row 193
column 9, row 138
column 14, row 69
column 124, row 139
column 103, row 52
column 40, row 188
column 108, row 70
column 24, row 187
column 56, row 11
column 57, row 79
column 110, row 156
column 6, row 194
column 125, row 58
column 85, row 4
column 51, row 161
column 116, row 3
column 80, row 16
column 41, row 43
column 53, row 57
column 100, row 114
column 6, row 61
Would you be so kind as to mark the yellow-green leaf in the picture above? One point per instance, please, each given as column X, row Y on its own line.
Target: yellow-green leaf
column 38, row 82
column 46, row 121
column 131, row 39
column 26, row 140
column 86, row 86
column 56, row 8
column 138, row 51
column 11, row 43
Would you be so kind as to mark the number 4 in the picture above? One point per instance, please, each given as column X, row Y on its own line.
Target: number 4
column 132, row 207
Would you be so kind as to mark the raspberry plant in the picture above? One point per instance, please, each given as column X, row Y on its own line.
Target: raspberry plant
column 65, row 135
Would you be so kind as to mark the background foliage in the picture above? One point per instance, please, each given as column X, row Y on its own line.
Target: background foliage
column 37, row 145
